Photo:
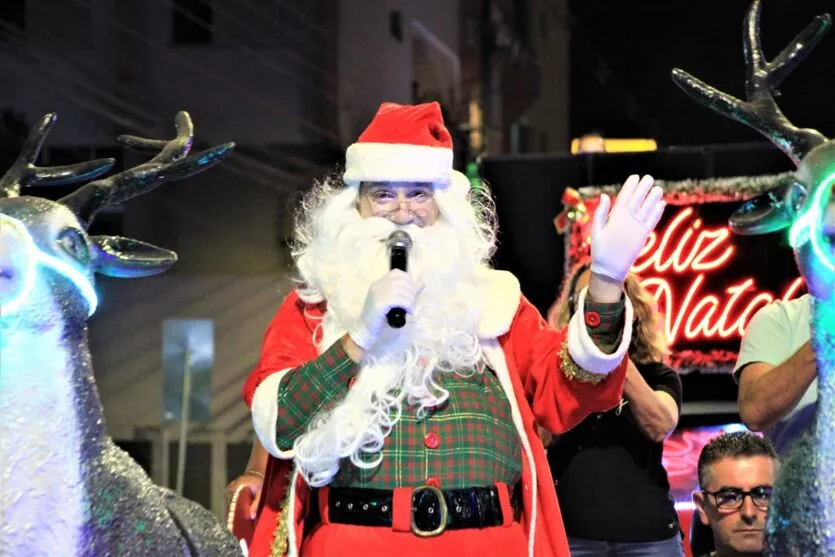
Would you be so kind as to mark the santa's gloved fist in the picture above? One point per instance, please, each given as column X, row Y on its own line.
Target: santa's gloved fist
column 617, row 237
column 395, row 290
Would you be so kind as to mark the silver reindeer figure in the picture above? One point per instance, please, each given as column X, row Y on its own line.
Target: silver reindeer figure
column 801, row 517
column 65, row 488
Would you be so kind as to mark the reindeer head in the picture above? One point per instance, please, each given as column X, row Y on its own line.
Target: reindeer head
column 806, row 205
column 47, row 259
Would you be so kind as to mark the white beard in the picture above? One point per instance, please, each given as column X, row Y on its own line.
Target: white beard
column 402, row 367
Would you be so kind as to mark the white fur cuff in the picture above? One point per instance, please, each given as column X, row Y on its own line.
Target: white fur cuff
column 582, row 348
column 265, row 414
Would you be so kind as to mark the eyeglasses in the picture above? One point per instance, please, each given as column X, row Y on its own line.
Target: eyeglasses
column 415, row 198
column 732, row 498
column 386, row 202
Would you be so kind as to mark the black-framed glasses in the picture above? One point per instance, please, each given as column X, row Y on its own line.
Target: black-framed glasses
column 732, row 498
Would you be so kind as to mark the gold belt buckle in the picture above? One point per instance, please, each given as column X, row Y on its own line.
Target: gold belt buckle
column 444, row 512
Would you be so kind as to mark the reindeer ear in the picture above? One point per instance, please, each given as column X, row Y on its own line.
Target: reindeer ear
column 127, row 258
column 768, row 212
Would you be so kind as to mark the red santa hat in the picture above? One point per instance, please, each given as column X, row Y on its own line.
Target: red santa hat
column 404, row 143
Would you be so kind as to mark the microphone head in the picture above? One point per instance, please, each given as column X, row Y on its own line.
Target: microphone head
column 399, row 239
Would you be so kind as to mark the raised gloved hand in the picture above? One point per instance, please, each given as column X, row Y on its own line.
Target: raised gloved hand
column 395, row 290
column 617, row 237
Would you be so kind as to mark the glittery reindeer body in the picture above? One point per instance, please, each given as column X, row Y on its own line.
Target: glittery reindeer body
column 801, row 519
column 65, row 488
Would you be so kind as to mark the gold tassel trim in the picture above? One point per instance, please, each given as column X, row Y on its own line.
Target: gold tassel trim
column 575, row 372
column 280, row 538
column 279, row 545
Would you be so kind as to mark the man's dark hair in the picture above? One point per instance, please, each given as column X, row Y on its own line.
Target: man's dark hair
column 740, row 444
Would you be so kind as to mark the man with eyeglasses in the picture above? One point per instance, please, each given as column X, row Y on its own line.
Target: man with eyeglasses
column 736, row 477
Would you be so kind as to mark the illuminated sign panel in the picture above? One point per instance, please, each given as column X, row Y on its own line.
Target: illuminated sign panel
column 686, row 254
column 709, row 282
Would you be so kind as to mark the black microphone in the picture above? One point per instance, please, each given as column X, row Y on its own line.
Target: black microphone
column 398, row 244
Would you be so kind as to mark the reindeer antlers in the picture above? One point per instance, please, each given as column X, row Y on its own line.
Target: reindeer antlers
column 761, row 81
column 172, row 163
column 24, row 172
column 170, row 150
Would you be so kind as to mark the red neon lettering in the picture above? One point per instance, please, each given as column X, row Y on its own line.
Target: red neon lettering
column 793, row 289
column 736, row 291
column 763, row 299
column 655, row 257
column 693, row 327
column 718, row 237
column 698, row 256
column 646, row 249
column 684, row 247
column 704, row 316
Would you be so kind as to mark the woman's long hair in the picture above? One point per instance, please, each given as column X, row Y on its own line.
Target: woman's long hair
column 649, row 341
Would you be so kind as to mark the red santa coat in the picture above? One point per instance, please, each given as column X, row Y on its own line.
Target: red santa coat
column 523, row 352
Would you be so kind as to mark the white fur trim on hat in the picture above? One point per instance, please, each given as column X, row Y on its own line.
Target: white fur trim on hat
column 397, row 162
column 582, row 348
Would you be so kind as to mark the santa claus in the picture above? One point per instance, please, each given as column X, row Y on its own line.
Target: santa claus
column 421, row 439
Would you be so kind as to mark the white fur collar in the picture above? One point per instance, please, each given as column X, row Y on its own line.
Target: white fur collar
column 500, row 295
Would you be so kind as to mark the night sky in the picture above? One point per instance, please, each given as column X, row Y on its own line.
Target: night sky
column 641, row 41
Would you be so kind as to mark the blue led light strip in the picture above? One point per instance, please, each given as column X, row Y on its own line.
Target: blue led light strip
column 810, row 222
column 34, row 257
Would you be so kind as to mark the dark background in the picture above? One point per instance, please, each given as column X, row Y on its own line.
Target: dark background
column 622, row 54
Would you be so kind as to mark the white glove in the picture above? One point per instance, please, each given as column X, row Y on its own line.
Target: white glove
column 395, row 290
column 617, row 240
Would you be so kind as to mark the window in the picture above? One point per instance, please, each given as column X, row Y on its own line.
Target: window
column 192, row 21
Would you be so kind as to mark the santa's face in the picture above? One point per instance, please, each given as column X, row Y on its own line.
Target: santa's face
column 402, row 203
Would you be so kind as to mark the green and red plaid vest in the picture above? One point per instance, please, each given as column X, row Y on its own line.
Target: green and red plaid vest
column 467, row 441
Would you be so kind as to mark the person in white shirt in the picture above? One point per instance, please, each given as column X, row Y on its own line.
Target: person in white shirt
column 777, row 373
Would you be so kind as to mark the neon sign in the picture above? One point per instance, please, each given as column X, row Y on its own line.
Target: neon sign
column 675, row 266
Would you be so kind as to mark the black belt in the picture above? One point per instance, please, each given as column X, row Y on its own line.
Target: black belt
column 433, row 510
